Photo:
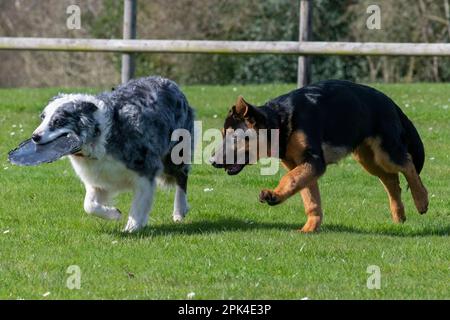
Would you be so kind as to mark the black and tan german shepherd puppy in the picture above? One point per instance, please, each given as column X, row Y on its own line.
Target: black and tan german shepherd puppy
column 320, row 124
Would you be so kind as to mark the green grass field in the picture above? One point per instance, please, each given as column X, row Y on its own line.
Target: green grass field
column 230, row 246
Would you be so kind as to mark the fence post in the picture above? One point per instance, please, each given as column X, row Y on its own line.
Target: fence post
column 129, row 32
column 305, row 30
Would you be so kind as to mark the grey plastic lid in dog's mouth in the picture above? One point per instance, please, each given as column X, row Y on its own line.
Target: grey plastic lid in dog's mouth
column 30, row 154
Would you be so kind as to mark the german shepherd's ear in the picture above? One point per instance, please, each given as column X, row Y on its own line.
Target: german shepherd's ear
column 242, row 107
column 246, row 111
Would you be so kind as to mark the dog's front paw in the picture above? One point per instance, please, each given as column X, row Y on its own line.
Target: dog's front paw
column 180, row 214
column 270, row 197
column 133, row 225
column 177, row 217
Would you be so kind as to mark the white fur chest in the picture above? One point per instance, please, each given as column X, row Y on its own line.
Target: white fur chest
column 107, row 173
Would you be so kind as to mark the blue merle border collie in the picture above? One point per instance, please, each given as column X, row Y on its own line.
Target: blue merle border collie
column 126, row 135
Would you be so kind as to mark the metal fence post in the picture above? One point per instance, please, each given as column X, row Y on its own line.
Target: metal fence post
column 129, row 32
column 305, row 29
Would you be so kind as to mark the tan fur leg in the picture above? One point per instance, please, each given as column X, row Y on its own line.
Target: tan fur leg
column 300, row 172
column 313, row 209
column 292, row 182
column 365, row 156
column 418, row 191
column 311, row 201
column 391, row 184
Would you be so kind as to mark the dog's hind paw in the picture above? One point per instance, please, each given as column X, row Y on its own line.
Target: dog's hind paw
column 422, row 204
column 270, row 197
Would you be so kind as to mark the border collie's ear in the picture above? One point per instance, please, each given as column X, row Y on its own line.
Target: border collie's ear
column 88, row 107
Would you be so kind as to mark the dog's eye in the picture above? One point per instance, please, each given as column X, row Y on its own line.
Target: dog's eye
column 42, row 116
column 58, row 122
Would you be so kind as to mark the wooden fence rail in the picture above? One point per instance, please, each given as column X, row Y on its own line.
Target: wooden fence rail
column 228, row 47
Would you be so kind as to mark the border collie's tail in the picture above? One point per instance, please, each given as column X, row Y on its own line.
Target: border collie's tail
column 413, row 141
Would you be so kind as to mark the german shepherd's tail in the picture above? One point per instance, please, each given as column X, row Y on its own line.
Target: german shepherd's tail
column 413, row 141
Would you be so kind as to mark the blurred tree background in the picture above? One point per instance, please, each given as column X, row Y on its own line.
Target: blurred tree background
column 333, row 20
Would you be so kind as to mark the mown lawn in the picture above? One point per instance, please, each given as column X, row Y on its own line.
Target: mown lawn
column 230, row 246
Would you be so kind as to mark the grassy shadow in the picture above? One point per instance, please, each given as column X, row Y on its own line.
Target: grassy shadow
column 393, row 230
column 231, row 225
column 207, row 227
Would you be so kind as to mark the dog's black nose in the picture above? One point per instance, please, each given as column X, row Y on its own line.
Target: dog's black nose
column 36, row 137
